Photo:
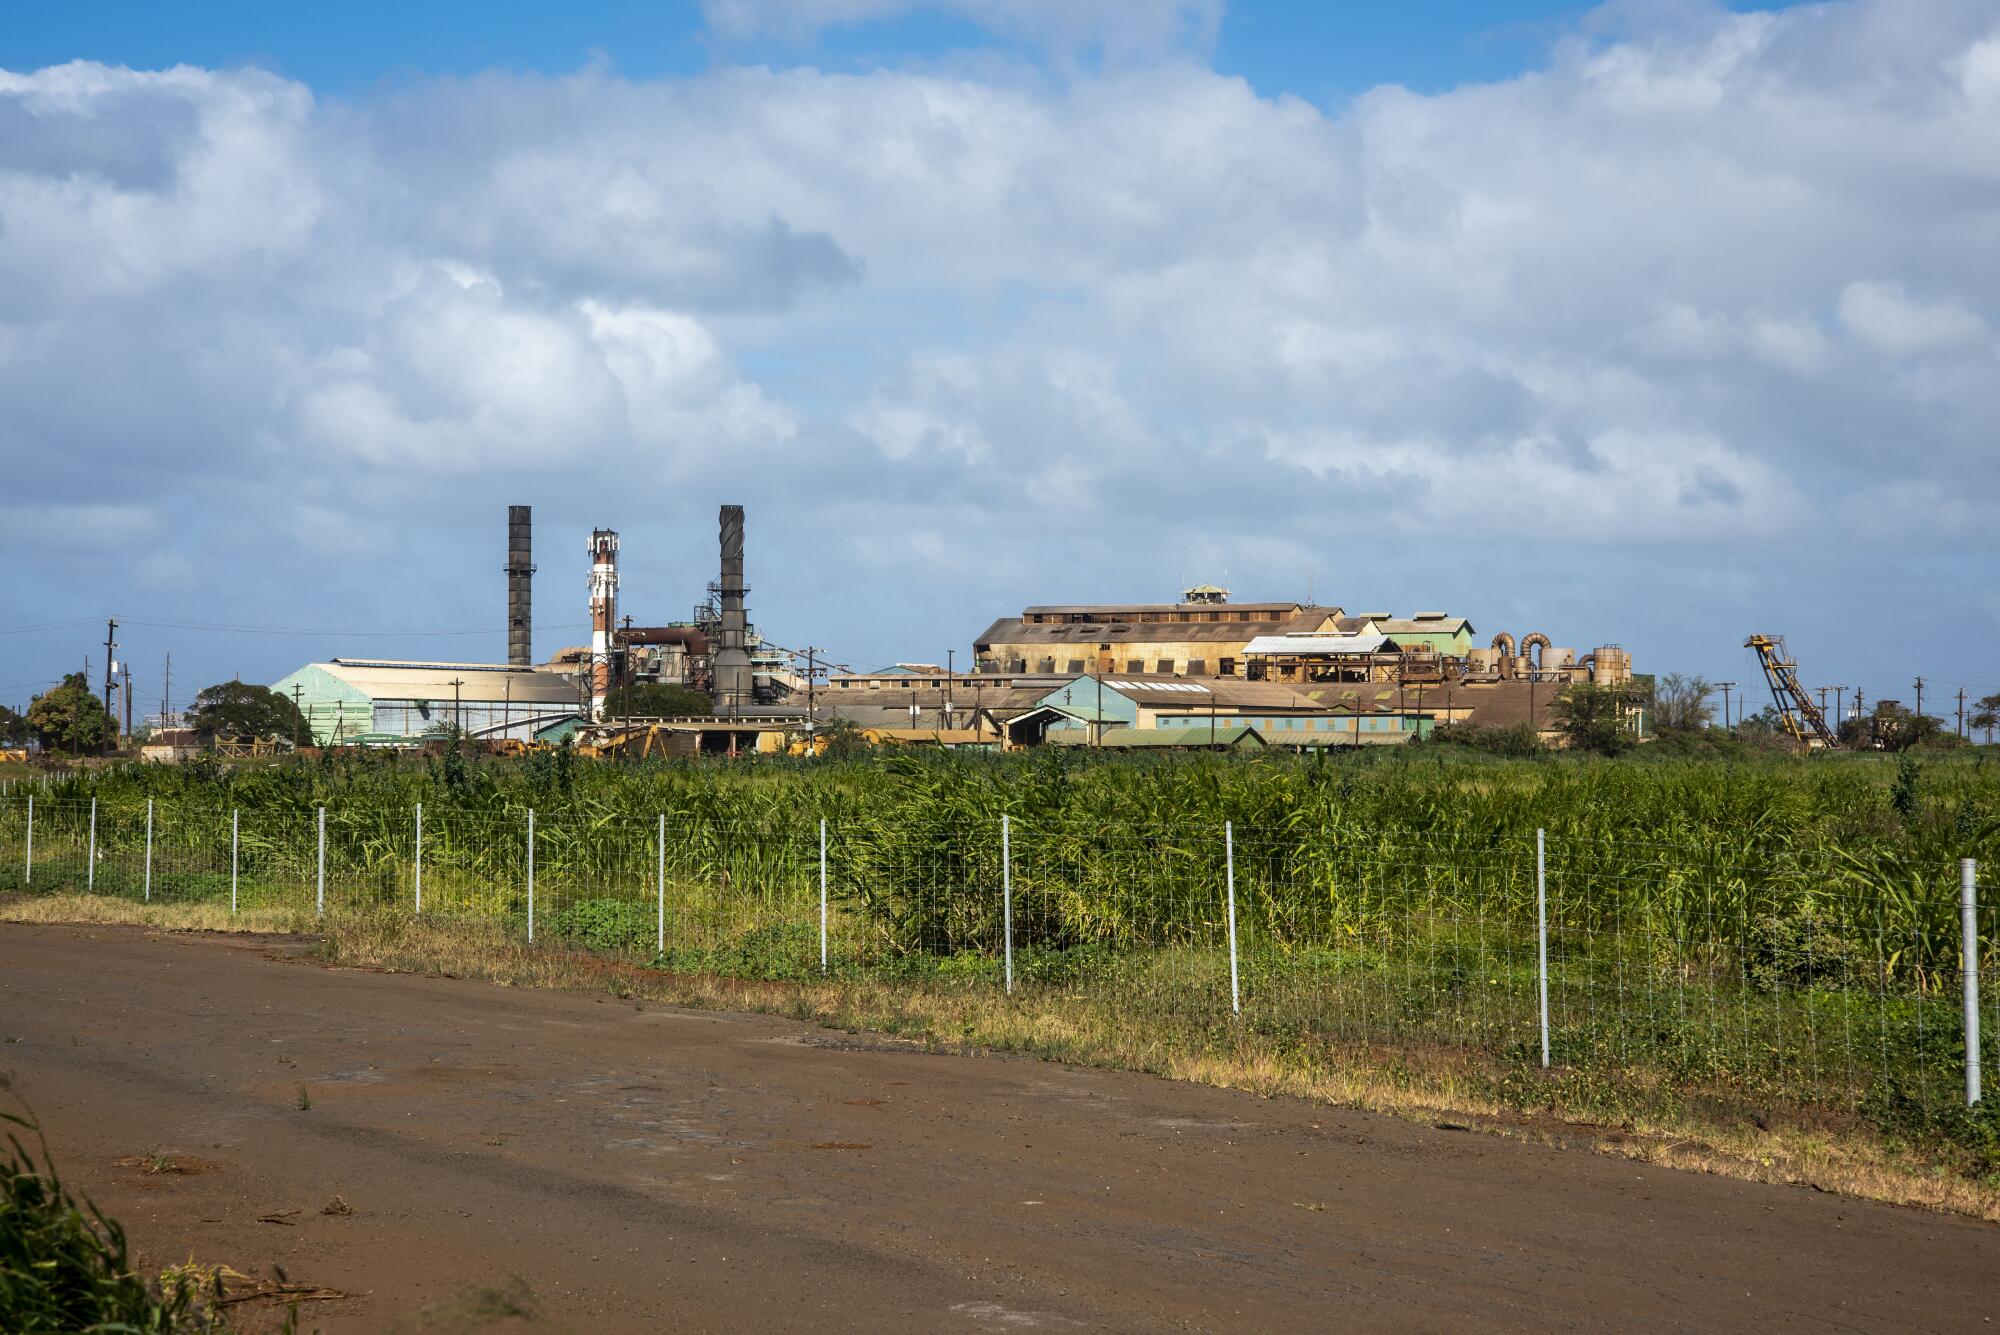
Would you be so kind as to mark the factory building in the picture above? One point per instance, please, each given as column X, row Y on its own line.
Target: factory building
column 1203, row 635
column 350, row 701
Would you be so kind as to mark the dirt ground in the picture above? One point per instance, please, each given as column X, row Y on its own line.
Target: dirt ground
column 500, row 1159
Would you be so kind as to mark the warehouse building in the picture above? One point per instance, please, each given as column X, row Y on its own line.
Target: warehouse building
column 1203, row 635
column 352, row 701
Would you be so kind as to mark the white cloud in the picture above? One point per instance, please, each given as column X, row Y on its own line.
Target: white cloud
column 1883, row 315
column 1677, row 292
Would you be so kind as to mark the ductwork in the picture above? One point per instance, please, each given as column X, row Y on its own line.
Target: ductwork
column 687, row 637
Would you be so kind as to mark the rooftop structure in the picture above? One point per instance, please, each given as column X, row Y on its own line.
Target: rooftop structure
column 387, row 700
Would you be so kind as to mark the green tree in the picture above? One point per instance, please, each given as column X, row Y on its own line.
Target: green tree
column 238, row 709
column 1596, row 718
column 655, row 700
column 14, row 729
column 70, row 717
column 1987, row 714
column 1681, row 703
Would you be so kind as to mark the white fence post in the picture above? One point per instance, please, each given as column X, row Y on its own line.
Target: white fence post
column 822, row 895
column 149, row 850
column 1542, row 935
column 90, row 872
column 1968, row 925
column 1007, row 895
column 28, row 877
column 319, row 897
column 420, row 858
column 660, row 877
column 234, row 814
column 531, row 875
column 1229, row 853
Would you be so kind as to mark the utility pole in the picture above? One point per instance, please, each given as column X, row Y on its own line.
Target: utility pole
column 1920, row 697
column 1822, row 701
column 1726, row 686
column 950, row 670
column 167, row 694
column 1839, row 707
column 1961, row 711
column 457, row 706
column 110, row 645
column 127, row 666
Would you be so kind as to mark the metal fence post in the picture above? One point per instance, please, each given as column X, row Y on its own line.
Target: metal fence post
column 149, row 851
column 1007, row 895
column 1229, row 854
column 28, row 876
column 660, row 851
column 420, row 858
column 90, row 871
column 531, row 874
column 319, row 897
column 1968, row 926
column 822, row 895
column 1542, row 935
column 234, row 814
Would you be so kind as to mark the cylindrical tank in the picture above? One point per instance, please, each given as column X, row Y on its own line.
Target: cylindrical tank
column 1554, row 657
column 1610, row 665
column 1482, row 662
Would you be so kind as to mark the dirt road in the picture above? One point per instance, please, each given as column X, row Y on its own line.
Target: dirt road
column 611, row 1168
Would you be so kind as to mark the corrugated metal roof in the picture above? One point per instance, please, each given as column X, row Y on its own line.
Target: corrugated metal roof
column 1129, row 739
column 1089, row 634
column 1318, row 644
column 479, row 683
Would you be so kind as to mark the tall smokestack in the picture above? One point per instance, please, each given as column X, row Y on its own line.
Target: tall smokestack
column 732, row 658
column 603, row 613
column 520, row 580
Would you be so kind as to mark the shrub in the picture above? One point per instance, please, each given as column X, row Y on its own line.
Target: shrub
column 607, row 924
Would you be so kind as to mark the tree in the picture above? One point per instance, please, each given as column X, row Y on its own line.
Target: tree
column 70, row 717
column 238, row 709
column 1891, row 727
column 1681, row 702
column 1988, row 715
column 14, row 729
column 651, row 699
column 1596, row 718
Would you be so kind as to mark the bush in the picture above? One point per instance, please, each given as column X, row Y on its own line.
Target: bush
column 66, row 1267
column 607, row 924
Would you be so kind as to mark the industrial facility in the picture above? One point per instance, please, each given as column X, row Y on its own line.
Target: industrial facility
column 1199, row 672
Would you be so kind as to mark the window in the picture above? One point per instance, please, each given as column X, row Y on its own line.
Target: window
column 1197, row 667
column 1076, row 665
column 1228, row 667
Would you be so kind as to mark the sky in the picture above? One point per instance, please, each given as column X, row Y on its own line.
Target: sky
column 1655, row 323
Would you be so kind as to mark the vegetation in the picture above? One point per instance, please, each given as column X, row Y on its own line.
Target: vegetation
column 1734, row 939
column 65, row 1267
column 655, row 700
column 71, row 718
column 1597, row 719
column 235, row 709
column 14, row 729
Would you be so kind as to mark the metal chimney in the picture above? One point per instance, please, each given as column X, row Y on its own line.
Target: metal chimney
column 520, row 581
column 732, row 658
column 603, row 614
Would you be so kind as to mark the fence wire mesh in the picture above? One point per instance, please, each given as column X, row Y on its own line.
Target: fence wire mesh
column 1819, row 978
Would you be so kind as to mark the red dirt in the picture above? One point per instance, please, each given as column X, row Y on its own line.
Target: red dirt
column 611, row 1169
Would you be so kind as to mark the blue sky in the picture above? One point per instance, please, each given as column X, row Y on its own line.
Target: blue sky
column 1653, row 323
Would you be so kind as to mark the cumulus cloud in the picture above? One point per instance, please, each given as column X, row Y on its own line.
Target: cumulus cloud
column 1670, row 295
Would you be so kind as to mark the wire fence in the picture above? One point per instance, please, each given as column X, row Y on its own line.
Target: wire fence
column 1664, row 966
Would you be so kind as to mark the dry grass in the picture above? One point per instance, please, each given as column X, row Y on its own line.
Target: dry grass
column 75, row 908
column 1421, row 1084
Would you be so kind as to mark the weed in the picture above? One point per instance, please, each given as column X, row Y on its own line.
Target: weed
column 304, row 1101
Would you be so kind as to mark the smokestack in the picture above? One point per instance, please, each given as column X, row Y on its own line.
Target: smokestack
column 732, row 658
column 603, row 614
column 520, row 579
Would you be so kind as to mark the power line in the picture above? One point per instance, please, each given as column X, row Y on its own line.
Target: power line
column 278, row 630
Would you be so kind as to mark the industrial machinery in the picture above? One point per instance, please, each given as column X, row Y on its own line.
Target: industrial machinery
column 1803, row 719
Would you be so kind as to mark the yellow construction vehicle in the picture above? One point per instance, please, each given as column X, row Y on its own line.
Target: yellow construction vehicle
column 1802, row 718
